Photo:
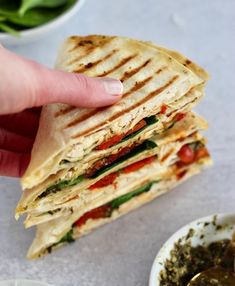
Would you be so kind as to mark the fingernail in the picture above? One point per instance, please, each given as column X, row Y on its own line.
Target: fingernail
column 112, row 86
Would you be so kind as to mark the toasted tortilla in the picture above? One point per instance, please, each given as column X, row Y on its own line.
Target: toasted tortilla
column 160, row 78
column 50, row 233
column 167, row 146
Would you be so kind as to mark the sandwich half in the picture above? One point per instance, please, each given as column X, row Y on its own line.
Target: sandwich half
column 72, row 144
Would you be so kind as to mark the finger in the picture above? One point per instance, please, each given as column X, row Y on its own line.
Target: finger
column 13, row 164
column 24, row 123
column 78, row 90
column 25, row 84
column 14, row 142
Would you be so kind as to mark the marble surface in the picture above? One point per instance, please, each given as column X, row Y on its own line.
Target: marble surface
column 122, row 253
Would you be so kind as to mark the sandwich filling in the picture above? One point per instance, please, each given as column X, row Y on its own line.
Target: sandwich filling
column 105, row 164
column 188, row 154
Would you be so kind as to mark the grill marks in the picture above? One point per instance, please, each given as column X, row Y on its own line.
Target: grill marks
column 142, row 83
column 134, row 71
column 137, row 86
column 92, row 64
column 139, row 103
column 120, row 64
column 84, row 117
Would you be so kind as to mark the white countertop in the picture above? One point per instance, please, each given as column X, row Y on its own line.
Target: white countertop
column 122, row 253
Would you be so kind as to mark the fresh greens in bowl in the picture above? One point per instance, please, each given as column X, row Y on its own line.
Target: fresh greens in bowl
column 18, row 15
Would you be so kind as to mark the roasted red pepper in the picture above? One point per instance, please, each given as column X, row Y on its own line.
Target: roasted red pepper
column 100, row 212
column 106, row 181
column 117, row 138
column 179, row 116
column 138, row 165
column 163, row 109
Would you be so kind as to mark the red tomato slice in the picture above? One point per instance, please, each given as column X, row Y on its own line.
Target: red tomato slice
column 108, row 180
column 100, row 212
column 186, row 154
column 117, row 138
column 163, row 109
column 138, row 165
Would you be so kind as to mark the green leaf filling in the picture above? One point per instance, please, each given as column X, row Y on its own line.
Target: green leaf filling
column 125, row 198
column 146, row 145
column 149, row 120
column 61, row 185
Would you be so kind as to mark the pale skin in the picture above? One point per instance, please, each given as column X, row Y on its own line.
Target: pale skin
column 24, row 87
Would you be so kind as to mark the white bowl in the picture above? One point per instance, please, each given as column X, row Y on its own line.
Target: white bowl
column 210, row 234
column 22, row 283
column 33, row 34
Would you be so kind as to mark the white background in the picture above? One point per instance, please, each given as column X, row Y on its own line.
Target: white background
column 122, row 253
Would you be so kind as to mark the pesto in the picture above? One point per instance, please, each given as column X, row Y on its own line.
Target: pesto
column 187, row 261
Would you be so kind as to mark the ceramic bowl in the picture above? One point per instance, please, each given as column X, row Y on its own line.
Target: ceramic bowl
column 33, row 34
column 206, row 230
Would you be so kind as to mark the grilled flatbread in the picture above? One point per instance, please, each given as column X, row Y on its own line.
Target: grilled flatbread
column 59, row 231
column 150, row 76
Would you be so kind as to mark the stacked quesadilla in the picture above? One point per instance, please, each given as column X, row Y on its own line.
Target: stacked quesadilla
column 90, row 166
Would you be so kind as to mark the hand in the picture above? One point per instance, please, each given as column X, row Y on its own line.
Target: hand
column 24, row 87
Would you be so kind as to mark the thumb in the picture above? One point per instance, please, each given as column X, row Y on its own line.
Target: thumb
column 77, row 89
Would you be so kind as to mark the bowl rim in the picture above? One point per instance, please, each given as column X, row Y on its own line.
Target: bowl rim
column 181, row 232
column 37, row 30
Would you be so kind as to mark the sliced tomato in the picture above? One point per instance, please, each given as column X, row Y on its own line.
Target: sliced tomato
column 117, row 138
column 100, row 212
column 200, row 153
column 110, row 142
column 186, row 154
column 138, row 165
column 137, row 127
column 163, row 109
column 106, row 181
column 179, row 116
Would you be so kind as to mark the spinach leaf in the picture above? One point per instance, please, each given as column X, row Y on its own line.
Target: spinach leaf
column 61, row 185
column 146, row 145
column 149, row 120
column 29, row 4
column 68, row 237
column 123, row 199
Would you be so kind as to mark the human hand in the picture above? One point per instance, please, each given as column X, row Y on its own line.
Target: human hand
column 24, row 87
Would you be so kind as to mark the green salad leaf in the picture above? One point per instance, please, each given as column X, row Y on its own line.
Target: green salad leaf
column 16, row 16
column 27, row 5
